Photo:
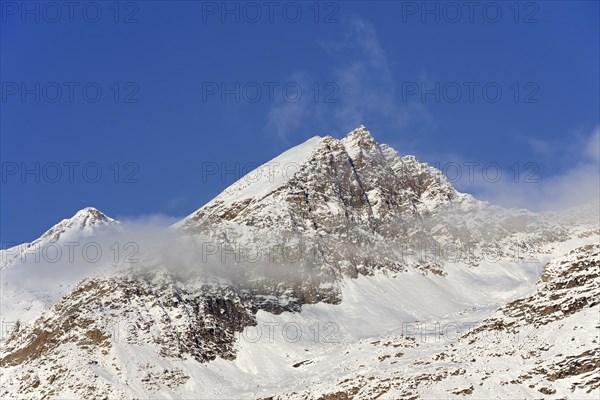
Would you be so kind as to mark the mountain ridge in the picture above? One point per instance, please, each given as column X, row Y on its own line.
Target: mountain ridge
column 343, row 268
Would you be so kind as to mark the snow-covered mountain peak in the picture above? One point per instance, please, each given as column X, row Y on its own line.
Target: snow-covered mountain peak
column 346, row 181
column 335, row 196
column 90, row 211
column 91, row 216
column 359, row 140
column 84, row 222
column 362, row 132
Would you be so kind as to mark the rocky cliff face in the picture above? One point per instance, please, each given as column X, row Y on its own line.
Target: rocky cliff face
column 331, row 208
column 75, row 342
column 341, row 204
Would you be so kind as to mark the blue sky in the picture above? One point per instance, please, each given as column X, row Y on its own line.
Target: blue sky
column 148, row 93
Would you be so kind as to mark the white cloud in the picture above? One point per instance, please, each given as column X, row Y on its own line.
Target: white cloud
column 578, row 184
column 367, row 91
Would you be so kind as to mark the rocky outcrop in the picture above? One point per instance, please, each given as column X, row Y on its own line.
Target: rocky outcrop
column 148, row 310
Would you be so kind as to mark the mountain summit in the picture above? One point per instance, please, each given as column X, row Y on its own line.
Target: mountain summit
column 359, row 138
column 336, row 196
column 353, row 178
column 84, row 222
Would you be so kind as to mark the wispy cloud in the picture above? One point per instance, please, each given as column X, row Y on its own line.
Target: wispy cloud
column 592, row 148
column 367, row 89
column 286, row 117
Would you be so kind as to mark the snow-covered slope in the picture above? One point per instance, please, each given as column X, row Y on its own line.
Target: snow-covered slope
column 539, row 345
column 150, row 335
